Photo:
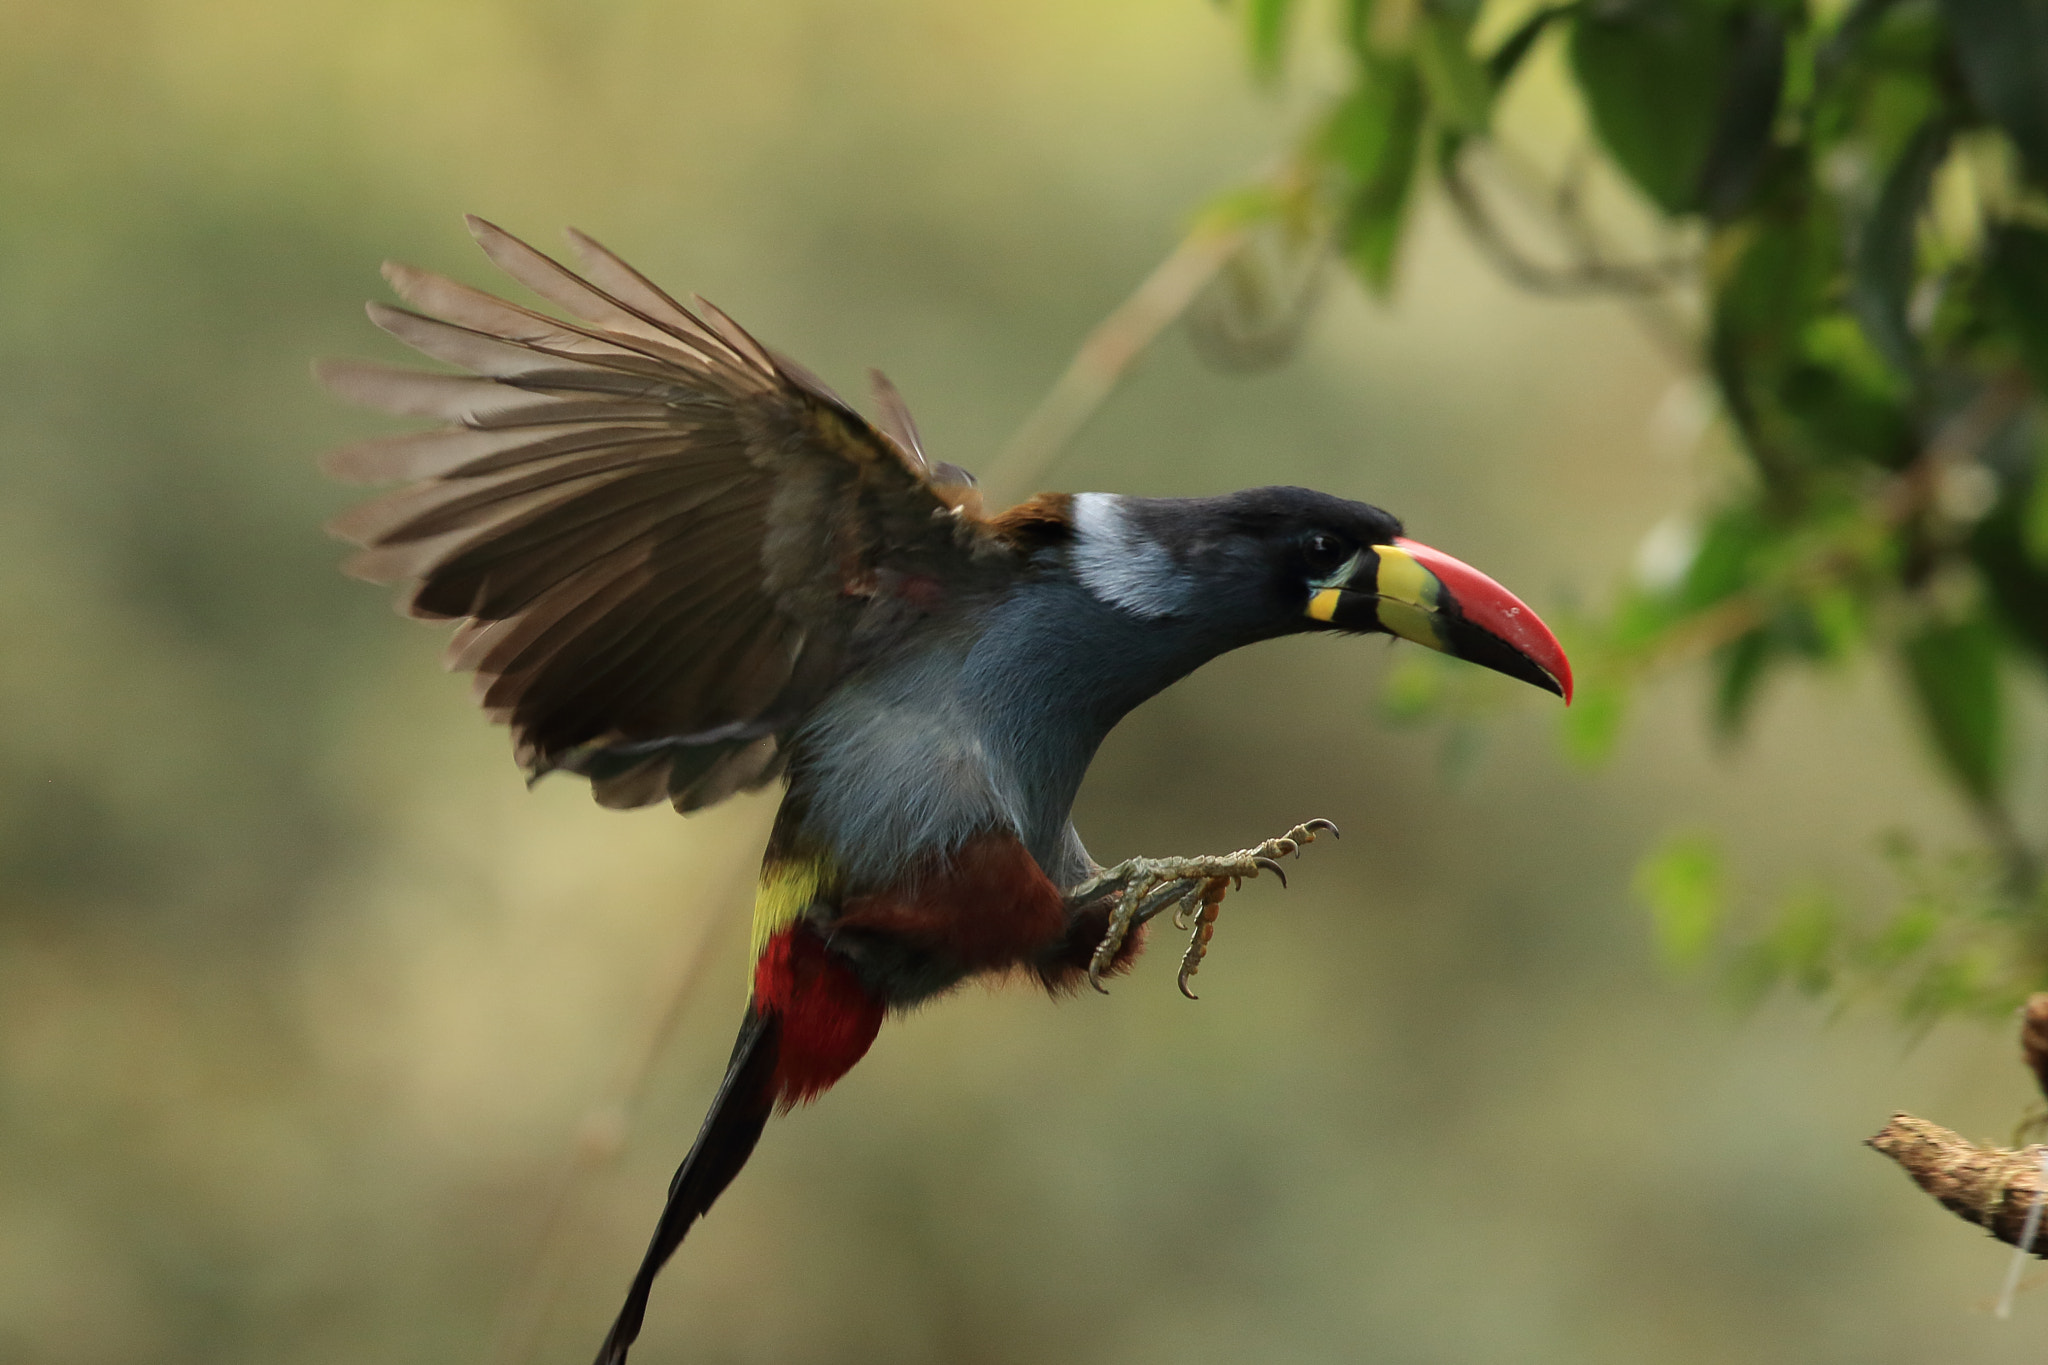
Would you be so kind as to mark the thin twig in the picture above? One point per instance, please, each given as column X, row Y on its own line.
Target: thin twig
column 1645, row 285
column 1588, row 273
column 602, row 1134
column 1108, row 352
column 1175, row 283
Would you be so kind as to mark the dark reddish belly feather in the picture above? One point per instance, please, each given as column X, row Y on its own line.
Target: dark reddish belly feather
column 988, row 908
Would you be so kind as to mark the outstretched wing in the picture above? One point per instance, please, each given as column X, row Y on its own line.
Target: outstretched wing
column 663, row 542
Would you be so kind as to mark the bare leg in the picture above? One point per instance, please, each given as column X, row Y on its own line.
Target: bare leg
column 1142, row 887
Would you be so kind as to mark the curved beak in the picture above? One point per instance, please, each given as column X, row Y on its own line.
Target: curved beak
column 1424, row 595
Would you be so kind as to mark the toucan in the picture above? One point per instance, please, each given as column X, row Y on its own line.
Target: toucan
column 682, row 567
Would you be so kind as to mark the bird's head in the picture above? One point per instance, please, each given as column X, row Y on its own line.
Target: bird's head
column 1278, row 561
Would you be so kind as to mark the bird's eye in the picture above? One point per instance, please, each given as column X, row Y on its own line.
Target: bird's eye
column 1324, row 552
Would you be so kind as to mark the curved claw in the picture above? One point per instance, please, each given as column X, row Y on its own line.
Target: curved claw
column 1191, row 887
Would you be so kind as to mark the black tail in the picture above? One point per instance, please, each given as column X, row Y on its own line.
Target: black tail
column 723, row 1145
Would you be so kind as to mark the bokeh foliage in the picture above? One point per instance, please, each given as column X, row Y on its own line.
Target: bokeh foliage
column 1839, row 213
column 304, row 1000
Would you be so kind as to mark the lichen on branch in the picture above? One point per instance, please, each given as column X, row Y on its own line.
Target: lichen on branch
column 1993, row 1187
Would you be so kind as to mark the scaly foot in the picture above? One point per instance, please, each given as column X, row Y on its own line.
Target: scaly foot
column 1142, row 887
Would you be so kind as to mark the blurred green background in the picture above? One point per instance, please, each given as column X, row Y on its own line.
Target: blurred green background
column 306, row 1006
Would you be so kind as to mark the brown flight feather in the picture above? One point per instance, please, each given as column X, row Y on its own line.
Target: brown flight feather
column 657, row 535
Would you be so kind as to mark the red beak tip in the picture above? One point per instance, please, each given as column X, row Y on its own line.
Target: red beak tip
column 1559, row 668
column 1499, row 612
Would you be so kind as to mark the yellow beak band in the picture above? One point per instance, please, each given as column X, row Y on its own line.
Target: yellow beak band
column 1408, row 595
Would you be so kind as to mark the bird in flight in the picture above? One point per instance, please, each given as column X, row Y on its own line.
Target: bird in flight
column 682, row 567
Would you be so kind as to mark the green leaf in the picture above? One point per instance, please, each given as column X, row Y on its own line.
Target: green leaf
column 1515, row 48
column 1265, row 35
column 1905, row 936
column 1741, row 666
column 1651, row 73
column 1841, row 47
column 2002, row 47
column 1355, row 21
column 1747, row 113
column 1972, row 982
column 2034, row 512
column 1373, row 138
column 2016, row 293
column 1727, row 558
column 1759, row 283
column 2000, row 546
column 1684, row 885
column 1458, row 85
column 1953, row 668
column 1843, row 399
column 1372, row 239
column 1840, row 344
column 1839, row 619
column 1882, row 267
column 1798, row 375
column 1804, row 940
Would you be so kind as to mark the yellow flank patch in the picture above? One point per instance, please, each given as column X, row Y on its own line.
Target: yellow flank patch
column 1404, row 580
column 1410, row 623
column 786, row 891
column 1323, row 606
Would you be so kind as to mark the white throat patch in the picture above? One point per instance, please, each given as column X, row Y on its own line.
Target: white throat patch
column 1120, row 565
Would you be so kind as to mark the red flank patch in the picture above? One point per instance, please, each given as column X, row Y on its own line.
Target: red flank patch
column 827, row 1020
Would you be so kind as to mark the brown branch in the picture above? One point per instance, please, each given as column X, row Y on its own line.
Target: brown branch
column 1993, row 1187
column 2034, row 1038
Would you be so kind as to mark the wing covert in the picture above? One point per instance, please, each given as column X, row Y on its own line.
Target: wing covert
column 661, row 540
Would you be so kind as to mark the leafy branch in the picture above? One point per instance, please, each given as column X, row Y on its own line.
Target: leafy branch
column 1839, row 216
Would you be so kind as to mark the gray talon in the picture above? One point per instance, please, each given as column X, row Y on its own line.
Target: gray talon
column 1144, row 887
